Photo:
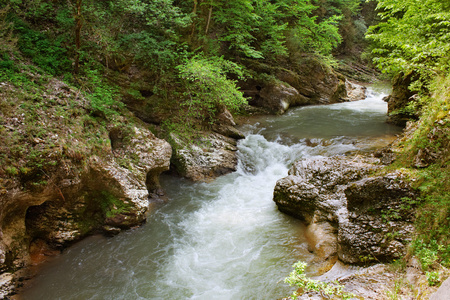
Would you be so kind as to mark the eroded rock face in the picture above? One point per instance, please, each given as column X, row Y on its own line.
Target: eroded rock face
column 302, row 81
column 355, row 92
column 113, row 190
column 371, row 216
column 210, row 156
column 314, row 80
column 401, row 96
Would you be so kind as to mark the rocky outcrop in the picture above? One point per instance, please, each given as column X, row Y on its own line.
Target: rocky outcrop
column 380, row 219
column 355, row 92
column 211, row 155
column 111, row 191
column 381, row 282
column 301, row 81
column 400, row 98
column 349, row 214
column 314, row 80
column 206, row 155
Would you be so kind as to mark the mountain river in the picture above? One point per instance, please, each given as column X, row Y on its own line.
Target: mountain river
column 224, row 239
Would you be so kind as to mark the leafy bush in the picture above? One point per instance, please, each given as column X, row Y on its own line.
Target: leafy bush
column 299, row 279
column 103, row 96
column 207, row 87
column 45, row 53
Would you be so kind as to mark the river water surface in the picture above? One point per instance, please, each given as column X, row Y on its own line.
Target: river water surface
column 225, row 239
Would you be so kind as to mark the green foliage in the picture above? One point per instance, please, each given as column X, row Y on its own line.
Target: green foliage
column 45, row 53
column 313, row 37
column 102, row 95
column 413, row 35
column 433, row 278
column 12, row 171
column 299, row 279
column 154, row 40
column 207, row 87
column 429, row 253
column 239, row 19
column 111, row 205
column 262, row 29
column 6, row 64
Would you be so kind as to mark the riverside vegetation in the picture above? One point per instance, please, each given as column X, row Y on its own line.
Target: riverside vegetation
column 82, row 81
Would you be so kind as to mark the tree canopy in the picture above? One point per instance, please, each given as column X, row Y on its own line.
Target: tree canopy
column 412, row 35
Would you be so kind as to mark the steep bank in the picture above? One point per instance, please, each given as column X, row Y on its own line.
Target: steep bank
column 69, row 170
column 297, row 81
column 395, row 213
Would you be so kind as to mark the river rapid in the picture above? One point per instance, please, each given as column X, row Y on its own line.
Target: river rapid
column 224, row 239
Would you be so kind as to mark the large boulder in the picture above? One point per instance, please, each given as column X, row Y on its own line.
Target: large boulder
column 364, row 218
column 380, row 219
column 399, row 99
column 315, row 187
column 209, row 156
column 113, row 190
column 277, row 97
column 300, row 81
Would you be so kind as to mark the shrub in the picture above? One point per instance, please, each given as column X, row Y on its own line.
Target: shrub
column 299, row 279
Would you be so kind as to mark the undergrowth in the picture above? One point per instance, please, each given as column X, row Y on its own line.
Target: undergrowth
column 425, row 154
column 45, row 121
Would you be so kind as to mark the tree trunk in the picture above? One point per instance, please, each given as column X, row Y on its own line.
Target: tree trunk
column 209, row 19
column 194, row 12
column 78, row 25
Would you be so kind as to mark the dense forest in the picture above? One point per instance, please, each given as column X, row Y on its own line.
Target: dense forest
column 190, row 52
column 174, row 67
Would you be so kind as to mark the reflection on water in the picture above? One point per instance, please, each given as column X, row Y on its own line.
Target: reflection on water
column 225, row 239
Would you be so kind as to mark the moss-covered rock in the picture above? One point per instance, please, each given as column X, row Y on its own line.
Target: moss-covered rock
column 68, row 170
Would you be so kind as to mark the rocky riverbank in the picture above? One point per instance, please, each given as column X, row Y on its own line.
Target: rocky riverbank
column 357, row 213
column 74, row 170
column 351, row 214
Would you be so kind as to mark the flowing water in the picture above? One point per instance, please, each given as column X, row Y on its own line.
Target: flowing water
column 225, row 239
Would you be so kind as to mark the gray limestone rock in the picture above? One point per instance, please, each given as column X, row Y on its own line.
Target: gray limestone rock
column 443, row 292
column 114, row 189
column 210, row 156
column 372, row 216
